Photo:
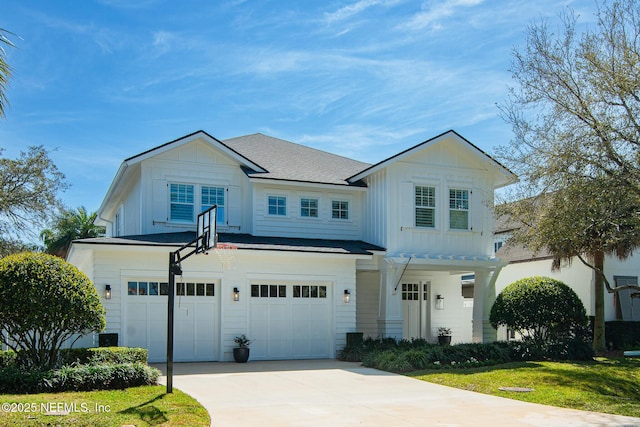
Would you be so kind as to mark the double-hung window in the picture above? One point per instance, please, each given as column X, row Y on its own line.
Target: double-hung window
column 213, row 196
column 309, row 208
column 339, row 209
column 277, row 205
column 181, row 202
column 458, row 209
column 425, row 206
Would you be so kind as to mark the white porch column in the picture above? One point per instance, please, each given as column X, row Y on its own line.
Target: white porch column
column 484, row 295
column 390, row 309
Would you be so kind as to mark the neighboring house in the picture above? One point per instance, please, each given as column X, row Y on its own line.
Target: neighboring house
column 523, row 263
column 311, row 228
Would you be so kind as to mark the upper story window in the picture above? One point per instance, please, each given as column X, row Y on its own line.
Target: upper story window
column 277, row 205
column 213, row 196
column 309, row 208
column 182, row 202
column 425, row 206
column 458, row 209
column 339, row 209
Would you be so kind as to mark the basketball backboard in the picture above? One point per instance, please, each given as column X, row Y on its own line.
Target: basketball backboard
column 206, row 233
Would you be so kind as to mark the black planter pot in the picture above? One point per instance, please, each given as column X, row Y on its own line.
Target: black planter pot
column 444, row 340
column 241, row 354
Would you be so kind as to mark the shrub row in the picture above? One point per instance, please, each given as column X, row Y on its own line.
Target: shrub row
column 105, row 376
column 400, row 356
column 434, row 356
column 86, row 356
column 99, row 355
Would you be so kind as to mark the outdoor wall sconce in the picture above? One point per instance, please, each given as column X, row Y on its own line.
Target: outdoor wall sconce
column 439, row 302
column 107, row 292
column 236, row 294
column 347, row 296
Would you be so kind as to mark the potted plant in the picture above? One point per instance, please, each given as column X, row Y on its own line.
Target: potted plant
column 444, row 335
column 241, row 353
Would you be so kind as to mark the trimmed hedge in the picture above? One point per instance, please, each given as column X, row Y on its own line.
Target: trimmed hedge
column 106, row 376
column 97, row 355
column 389, row 354
column 401, row 356
column 84, row 369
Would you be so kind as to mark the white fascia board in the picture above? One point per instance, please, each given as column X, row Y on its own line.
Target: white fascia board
column 107, row 198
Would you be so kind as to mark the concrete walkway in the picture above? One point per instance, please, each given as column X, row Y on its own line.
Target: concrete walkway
column 333, row 393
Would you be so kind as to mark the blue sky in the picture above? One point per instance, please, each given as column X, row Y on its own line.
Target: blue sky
column 97, row 81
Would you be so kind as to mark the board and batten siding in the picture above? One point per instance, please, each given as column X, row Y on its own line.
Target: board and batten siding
column 420, row 170
column 146, row 205
column 376, row 209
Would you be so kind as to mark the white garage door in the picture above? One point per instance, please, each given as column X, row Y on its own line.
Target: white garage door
column 291, row 321
column 194, row 320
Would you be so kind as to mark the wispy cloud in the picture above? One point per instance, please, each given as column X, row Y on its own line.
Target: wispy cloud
column 353, row 9
column 433, row 12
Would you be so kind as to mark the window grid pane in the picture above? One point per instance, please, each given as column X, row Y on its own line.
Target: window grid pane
column 213, row 196
column 339, row 209
column 181, row 196
column 309, row 208
column 277, row 205
column 425, row 198
column 459, row 209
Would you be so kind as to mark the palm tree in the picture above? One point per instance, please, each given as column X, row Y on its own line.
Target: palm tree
column 68, row 226
column 5, row 70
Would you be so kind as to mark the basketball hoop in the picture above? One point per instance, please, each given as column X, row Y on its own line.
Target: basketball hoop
column 226, row 252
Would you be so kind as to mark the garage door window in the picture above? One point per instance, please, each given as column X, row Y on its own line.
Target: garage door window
column 195, row 289
column 305, row 291
column 147, row 288
column 268, row 291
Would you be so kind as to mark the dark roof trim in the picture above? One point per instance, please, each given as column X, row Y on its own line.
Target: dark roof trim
column 244, row 242
column 191, row 135
column 372, row 167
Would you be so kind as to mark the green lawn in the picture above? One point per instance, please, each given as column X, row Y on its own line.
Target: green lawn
column 139, row 406
column 605, row 385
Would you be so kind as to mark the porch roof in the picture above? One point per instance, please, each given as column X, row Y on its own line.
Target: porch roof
column 434, row 262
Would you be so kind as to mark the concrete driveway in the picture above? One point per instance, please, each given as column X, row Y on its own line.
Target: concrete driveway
column 334, row 393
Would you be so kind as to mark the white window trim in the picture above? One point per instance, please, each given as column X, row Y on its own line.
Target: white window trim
column 318, row 208
column 286, row 206
column 175, row 221
column 468, row 210
column 436, row 216
column 197, row 201
column 349, row 209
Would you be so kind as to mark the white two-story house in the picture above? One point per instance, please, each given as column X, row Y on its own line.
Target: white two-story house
column 326, row 245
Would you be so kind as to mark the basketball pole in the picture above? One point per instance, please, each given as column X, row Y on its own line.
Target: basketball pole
column 203, row 242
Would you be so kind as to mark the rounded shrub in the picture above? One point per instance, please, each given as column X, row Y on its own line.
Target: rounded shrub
column 547, row 314
column 44, row 301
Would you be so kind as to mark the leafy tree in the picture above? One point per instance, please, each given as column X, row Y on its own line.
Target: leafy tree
column 542, row 310
column 5, row 70
column 586, row 221
column 43, row 302
column 28, row 189
column 68, row 226
column 575, row 113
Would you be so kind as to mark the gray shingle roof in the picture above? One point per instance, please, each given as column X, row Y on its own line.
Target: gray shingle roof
column 243, row 241
column 286, row 160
